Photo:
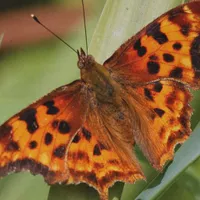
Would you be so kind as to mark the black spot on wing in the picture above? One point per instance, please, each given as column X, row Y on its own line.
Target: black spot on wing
column 153, row 67
column 141, row 50
column 48, row 138
column 86, row 134
column 176, row 73
column 137, row 44
column 158, row 87
column 148, row 94
column 33, row 144
column 52, row 110
column 168, row 57
column 195, row 53
column 29, row 117
column 76, row 138
column 64, row 127
column 59, row 152
column 159, row 112
column 153, row 30
column 177, row 46
column 96, row 150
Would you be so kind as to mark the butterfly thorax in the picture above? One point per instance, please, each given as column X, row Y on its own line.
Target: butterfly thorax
column 97, row 77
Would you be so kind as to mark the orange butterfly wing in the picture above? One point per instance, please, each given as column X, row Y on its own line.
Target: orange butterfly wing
column 96, row 156
column 165, row 111
column 166, row 48
column 91, row 162
column 156, row 67
column 37, row 138
column 62, row 138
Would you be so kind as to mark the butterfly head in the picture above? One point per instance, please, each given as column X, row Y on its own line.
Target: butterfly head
column 84, row 60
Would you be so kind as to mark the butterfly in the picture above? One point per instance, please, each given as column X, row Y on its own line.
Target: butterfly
column 85, row 131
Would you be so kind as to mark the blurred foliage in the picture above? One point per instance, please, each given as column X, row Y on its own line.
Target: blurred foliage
column 13, row 4
column 30, row 72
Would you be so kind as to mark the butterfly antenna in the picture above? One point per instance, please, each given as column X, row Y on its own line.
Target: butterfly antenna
column 85, row 28
column 37, row 20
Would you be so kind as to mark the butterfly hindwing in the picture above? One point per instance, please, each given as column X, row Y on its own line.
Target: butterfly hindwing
column 166, row 48
column 36, row 139
column 164, row 109
column 100, row 165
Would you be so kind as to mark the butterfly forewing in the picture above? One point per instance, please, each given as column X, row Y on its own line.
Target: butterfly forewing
column 36, row 139
column 166, row 48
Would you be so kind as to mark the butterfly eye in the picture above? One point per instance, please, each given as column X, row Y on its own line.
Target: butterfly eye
column 80, row 64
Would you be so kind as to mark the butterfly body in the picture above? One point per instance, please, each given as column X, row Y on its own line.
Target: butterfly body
column 85, row 131
column 107, row 96
column 97, row 79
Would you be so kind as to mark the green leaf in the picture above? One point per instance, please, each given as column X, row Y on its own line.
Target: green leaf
column 23, row 186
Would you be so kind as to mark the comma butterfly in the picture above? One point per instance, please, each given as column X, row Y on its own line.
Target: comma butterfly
column 85, row 131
